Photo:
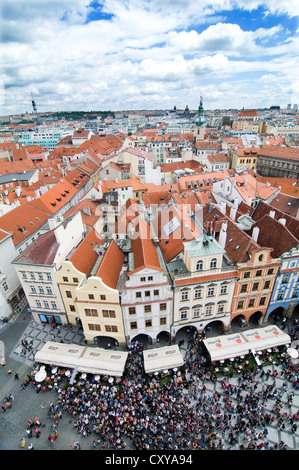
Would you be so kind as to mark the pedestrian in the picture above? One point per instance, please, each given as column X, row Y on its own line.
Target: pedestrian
column 16, row 376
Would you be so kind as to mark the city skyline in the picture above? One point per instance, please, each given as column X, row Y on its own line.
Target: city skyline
column 145, row 54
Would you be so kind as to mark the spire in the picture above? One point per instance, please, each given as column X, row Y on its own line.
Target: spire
column 200, row 120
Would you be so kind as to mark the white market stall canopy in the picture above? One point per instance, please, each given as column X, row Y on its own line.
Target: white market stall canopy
column 238, row 344
column 164, row 358
column 84, row 358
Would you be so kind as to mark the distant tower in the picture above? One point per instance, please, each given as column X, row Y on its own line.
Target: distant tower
column 34, row 107
column 200, row 121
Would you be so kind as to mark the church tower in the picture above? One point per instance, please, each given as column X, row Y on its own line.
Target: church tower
column 199, row 124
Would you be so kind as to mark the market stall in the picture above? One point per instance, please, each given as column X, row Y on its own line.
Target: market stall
column 164, row 358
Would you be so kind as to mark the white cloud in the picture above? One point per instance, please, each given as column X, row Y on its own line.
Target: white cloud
column 136, row 51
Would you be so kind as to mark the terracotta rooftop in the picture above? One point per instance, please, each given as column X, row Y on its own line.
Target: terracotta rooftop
column 145, row 253
column 111, row 264
column 85, row 257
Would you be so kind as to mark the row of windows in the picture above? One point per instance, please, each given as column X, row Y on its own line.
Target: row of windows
column 259, row 272
column 198, row 292
column 251, row 303
column 213, row 264
column 66, row 279
column 255, row 286
column 93, row 312
column 41, row 290
column 69, row 295
column 108, row 328
column 148, row 323
column 148, row 308
column 36, row 276
column 282, row 294
column 46, row 304
column 199, row 310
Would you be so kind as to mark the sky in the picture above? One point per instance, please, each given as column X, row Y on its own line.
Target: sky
column 148, row 54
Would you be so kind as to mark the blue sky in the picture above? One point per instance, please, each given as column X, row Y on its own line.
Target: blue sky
column 148, row 54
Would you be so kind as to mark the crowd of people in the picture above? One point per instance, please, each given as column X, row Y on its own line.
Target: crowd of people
column 179, row 411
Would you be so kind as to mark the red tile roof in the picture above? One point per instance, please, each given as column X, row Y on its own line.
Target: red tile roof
column 145, row 253
column 111, row 264
column 85, row 257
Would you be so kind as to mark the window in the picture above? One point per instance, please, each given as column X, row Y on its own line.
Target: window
column 147, row 293
column 133, row 325
column 53, row 305
column 40, row 276
column 32, row 276
column 255, row 286
column 220, row 308
column 65, row 279
column 280, row 295
column 209, row 309
column 267, row 285
column 147, row 308
column 197, row 293
column 185, row 295
column 196, row 312
column 46, row 304
column 247, row 275
column 148, row 323
column 295, row 293
column 103, row 297
column 75, row 279
column 142, row 279
column 91, row 296
column 41, row 289
column 94, row 327
column 199, row 265
column 68, row 294
column 251, row 303
column 258, row 273
column 132, row 310
column 72, row 308
column 49, row 277
column 108, row 313
column 262, row 301
column 211, row 291
column 223, row 289
column 184, row 314
column 91, row 312
column 163, row 321
column 156, row 292
column 162, row 306
column 244, row 288
column 24, row 275
column 150, row 278
column 285, row 279
column 38, row 304
column 111, row 328
column 33, row 289
column 213, row 263
column 138, row 295
column 240, row 304
column 49, row 290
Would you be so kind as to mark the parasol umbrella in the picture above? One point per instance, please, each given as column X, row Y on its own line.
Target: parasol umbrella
column 111, row 380
column 83, row 376
column 292, row 352
column 97, row 378
column 40, row 375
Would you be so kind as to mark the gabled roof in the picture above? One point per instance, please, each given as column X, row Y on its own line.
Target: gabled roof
column 85, row 256
column 111, row 264
column 145, row 253
column 41, row 252
column 22, row 221
column 55, row 198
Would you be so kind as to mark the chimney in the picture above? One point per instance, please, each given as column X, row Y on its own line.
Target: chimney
column 282, row 221
column 272, row 214
column 52, row 223
column 223, row 234
column 255, row 233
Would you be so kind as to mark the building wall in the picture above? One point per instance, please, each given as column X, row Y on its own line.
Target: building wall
column 147, row 304
column 99, row 310
column 68, row 279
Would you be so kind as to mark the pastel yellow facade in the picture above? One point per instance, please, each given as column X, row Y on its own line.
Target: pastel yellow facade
column 68, row 279
column 99, row 310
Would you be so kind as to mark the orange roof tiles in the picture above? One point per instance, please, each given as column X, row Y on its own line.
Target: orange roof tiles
column 111, row 264
column 85, row 257
column 145, row 253
column 22, row 221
